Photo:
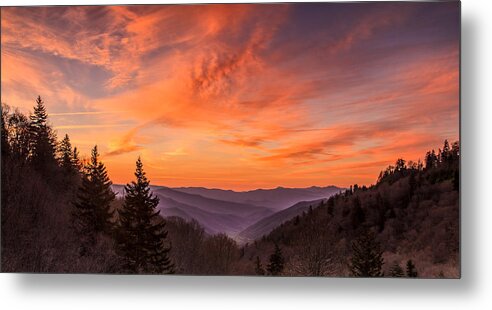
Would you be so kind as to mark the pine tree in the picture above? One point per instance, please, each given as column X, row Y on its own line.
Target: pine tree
column 258, row 267
column 42, row 139
column 141, row 234
column 76, row 164
column 400, row 165
column 66, row 155
column 396, row 271
column 411, row 269
column 446, row 153
column 431, row 160
column 358, row 215
column 455, row 152
column 367, row 260
column 92, row 214
column 276, row 265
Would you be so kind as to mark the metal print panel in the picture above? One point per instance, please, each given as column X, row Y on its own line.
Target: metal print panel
column 314, row 139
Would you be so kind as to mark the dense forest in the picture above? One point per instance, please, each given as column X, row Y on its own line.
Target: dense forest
column 60, row 215
column 407, row 224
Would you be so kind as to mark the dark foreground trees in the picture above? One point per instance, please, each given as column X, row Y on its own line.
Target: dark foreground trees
column 411, row 269
column 42, row 140
column 396, row 271
column 276, row 265
column 92, row 209
column 367, row 257
column 141, row 234
column 36, row 235
column 36, row 190
column 258, row 267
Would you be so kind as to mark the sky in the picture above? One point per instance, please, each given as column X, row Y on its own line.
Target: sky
column 241, row 96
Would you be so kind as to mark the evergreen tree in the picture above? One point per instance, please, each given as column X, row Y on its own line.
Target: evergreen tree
column 396, row 271
column 446, row 153
column 42, row 139
column 276, row 265
column 66, row 155
column 367, row 260
column 455, row 152
column 92, row 214
column 411, row 269
column 431, row 160
column 76, row 164
column 358, row 214
column 141, row 234
column 258, row 267
column 400, row 165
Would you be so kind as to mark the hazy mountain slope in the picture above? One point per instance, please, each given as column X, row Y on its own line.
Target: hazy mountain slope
column 233, row 217
column 214, row 205
column 207, row 204
column 267, row 224
column 214, row 215
column 277, row 198
column 212, row 222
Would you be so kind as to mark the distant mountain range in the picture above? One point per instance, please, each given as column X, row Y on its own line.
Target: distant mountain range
column 277, row 198
column 243, row 216
column 267, row 224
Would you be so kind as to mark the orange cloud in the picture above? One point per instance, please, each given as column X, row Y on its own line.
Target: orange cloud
column 292, row 95
column 124, row 145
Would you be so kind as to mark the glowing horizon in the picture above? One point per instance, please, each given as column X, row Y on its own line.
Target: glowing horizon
column 241, row 96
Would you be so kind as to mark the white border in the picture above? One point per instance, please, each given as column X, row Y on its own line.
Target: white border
column 473, row 291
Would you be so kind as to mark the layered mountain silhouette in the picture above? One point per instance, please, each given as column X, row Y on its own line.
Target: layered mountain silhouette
column 243, row 216
column 277, row 198
column 267, row 224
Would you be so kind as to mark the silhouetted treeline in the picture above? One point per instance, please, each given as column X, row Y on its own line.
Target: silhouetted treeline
column 39, row 179
column 408, row 219
column 406, row 225
column 59, row 214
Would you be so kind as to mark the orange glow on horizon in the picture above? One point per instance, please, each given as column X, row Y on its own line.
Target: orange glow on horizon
column 240, row 96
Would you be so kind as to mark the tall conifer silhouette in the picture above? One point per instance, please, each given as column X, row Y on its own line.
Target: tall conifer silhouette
column 42, row 139
column 66, row 155
column 141, row 237
column 92, row 214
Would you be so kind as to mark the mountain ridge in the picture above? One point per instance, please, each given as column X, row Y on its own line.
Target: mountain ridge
column 269, row 223
column 236, row 211
column 278, row 198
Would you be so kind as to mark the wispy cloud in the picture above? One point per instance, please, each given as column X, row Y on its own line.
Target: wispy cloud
column 276, row 93
column 176, row 152
column 89, row 126
column 126, row 144
column 85, row 113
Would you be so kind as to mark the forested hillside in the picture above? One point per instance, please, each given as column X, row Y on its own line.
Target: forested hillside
column 411, row 214
column 60, row 214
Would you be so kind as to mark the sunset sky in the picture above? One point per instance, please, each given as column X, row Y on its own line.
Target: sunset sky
column 241, row 96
